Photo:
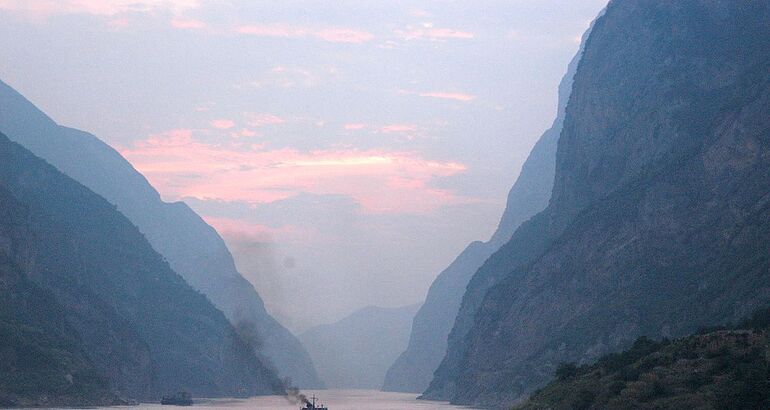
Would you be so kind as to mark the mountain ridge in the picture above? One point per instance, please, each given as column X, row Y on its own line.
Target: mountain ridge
column 356, row 351
column 530, row 194
column 192, row 247
column 140, row 324
column 661, row 177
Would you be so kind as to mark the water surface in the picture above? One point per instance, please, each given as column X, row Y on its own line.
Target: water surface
column 334, row 399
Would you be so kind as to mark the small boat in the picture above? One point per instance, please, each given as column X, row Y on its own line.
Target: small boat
column 182, row 398
column 311, row 405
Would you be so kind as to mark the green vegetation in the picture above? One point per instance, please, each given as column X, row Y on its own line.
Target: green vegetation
column 716, row 368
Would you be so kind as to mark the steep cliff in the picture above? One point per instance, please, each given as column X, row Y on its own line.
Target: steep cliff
column 659, row 210
column 192, row 247
column 142, row 327
column 413, row 370
column 42, row 360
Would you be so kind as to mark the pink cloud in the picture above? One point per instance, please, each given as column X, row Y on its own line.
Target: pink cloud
column 187, row 24
column 222, row 124
column 354, row 126
column 428, row 32
column 449, row 96
column 379, row 180
column 331, row 34
column 262, row 119
column 97, row 7
column 253, row 232
column 240, row 228
column 398, row 128
column 244, row 133
column 343, row 35
column 442, row 95
column 173, row 138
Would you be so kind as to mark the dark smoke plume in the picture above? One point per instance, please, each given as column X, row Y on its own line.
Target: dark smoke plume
column 293, row 394
column 248, row 333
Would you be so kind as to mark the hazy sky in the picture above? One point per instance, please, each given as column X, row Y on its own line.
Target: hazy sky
column 346, row 150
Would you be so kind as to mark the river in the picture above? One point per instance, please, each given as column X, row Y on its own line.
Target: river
column 334, row 399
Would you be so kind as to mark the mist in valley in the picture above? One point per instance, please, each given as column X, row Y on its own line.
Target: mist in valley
column 412, row 204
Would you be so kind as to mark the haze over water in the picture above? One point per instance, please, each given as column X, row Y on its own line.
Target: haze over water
column 333, row 399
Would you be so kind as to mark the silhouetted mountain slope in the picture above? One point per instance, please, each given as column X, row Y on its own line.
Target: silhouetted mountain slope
column 716, row 369
column 192, row 247
column 659, row 218
column 413, row 370
column 356, row 351
column 142, row 326
column 42, row 361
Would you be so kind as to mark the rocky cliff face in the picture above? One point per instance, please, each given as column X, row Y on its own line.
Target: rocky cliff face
column 192, row 247
column 42, row 360
column 135, row 322
column 413, row 370
column 660, row 201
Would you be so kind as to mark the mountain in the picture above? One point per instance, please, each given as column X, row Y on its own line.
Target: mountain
column 192, row 248
column 413, row 370
column 660, row 206
column 118, row 308
column 42, row 360
column 724, row 368
column 355, row 352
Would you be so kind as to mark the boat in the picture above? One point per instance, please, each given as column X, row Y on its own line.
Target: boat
column 311, row 405
column 182, row 398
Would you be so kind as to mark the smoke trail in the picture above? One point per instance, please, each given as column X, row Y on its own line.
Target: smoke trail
column 248, row 332
column 293, row 394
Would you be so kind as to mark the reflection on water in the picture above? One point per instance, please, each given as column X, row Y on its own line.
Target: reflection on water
column 334, row 399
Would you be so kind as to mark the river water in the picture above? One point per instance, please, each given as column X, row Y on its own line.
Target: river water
column 334, row 399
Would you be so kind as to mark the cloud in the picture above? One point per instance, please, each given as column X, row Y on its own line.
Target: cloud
column 407, row 132
column 398, row 128
column 444, row 95
column 261, row 119
column 222, row 124
column 244, row 133
column 449, row 96
column 330, row 34
column 428, row 32
column 381, row 181
column 187, row 24
column 97, row 7
column 256, row 232
column 354, row 126
column 343, row 35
